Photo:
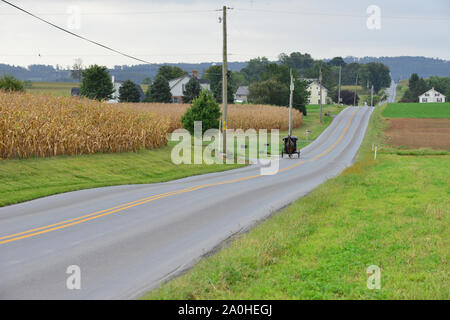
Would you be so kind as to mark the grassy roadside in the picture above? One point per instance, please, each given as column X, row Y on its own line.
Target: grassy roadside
column 402, row 86
column 392, row 212
column 27, row 179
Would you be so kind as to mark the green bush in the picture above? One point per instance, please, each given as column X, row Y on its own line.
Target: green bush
column 129, row 92
column 192, row 90
column 159, row 91
column 96, row 83
column 205, row 109
column 9, row 83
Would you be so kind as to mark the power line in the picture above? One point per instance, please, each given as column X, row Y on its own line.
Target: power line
column 119, row 12
column 74, row 34
column 339, row 14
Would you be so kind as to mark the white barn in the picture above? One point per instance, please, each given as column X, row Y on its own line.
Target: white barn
column 432, row 96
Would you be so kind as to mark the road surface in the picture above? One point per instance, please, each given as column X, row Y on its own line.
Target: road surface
column 127, row 239
column 392, row 92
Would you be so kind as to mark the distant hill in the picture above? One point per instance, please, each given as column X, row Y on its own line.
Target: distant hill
column 403, row 67
column 136, row 73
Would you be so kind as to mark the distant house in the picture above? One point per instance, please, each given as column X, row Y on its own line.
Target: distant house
column 314, row 90
column 116, row 94
column 432, row 96
column 241, row 95
column 178, row 85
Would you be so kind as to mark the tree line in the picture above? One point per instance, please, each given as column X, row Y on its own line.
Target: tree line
column 418, row 86
column 268, row 81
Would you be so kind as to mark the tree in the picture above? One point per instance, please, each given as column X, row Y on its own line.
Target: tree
column 417, row 86
column 337, row 62
column 204, row 109
column 349, row 73
column 9, row 83
column 171, row 72
column 347, row 97
column 147, row 81
column 192, row 90
column 96, row 83
column 297, row 60
column 254, row 68
column 268, row 91
column 77, row 69
column 214, row 75
column 376, row 74
column 441, row 84
column 274, row 89
column 159, row 91
column 129, row 92
column 282, row 75
column 329, row 75
column 301, row 96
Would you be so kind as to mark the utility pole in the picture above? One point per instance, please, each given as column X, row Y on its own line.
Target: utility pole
column 339, row 90
column 291, row 99
column 225, row 81
column 356, row 85
column 320, row 93
column 371, row 97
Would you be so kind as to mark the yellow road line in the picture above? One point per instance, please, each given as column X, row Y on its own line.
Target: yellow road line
column 98, row 214
column 85, row 216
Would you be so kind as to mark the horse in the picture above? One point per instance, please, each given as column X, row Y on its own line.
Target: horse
column 290, row 146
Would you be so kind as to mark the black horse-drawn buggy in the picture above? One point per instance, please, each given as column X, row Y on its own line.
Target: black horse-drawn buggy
column 290, row 146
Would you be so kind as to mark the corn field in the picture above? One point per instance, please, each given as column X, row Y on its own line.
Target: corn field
column 239, row 116
column 43, row 126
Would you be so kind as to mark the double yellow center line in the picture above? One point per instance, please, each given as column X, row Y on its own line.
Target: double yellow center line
column 71, row 222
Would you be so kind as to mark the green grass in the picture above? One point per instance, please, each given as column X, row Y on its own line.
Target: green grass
column 417, row 110
column 54, row 88
column 402, row 86
column 392, row 212
column 28, row 179
column 63, row 89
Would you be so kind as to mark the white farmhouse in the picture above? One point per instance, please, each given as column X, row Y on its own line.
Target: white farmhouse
column 314, row 90
column 177, row 86
column 116, row 94
column 241, row 95
column 432, row 96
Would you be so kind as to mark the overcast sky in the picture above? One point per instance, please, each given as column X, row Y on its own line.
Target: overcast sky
column 189, row 31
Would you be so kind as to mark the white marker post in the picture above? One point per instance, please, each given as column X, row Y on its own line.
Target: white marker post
column 375, row 156
column 220, row 136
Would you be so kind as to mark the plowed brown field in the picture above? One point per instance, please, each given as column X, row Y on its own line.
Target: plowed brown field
column 419, row 133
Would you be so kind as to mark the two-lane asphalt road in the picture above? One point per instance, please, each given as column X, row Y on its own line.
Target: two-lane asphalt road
column 127, row 239
column 392, row 92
